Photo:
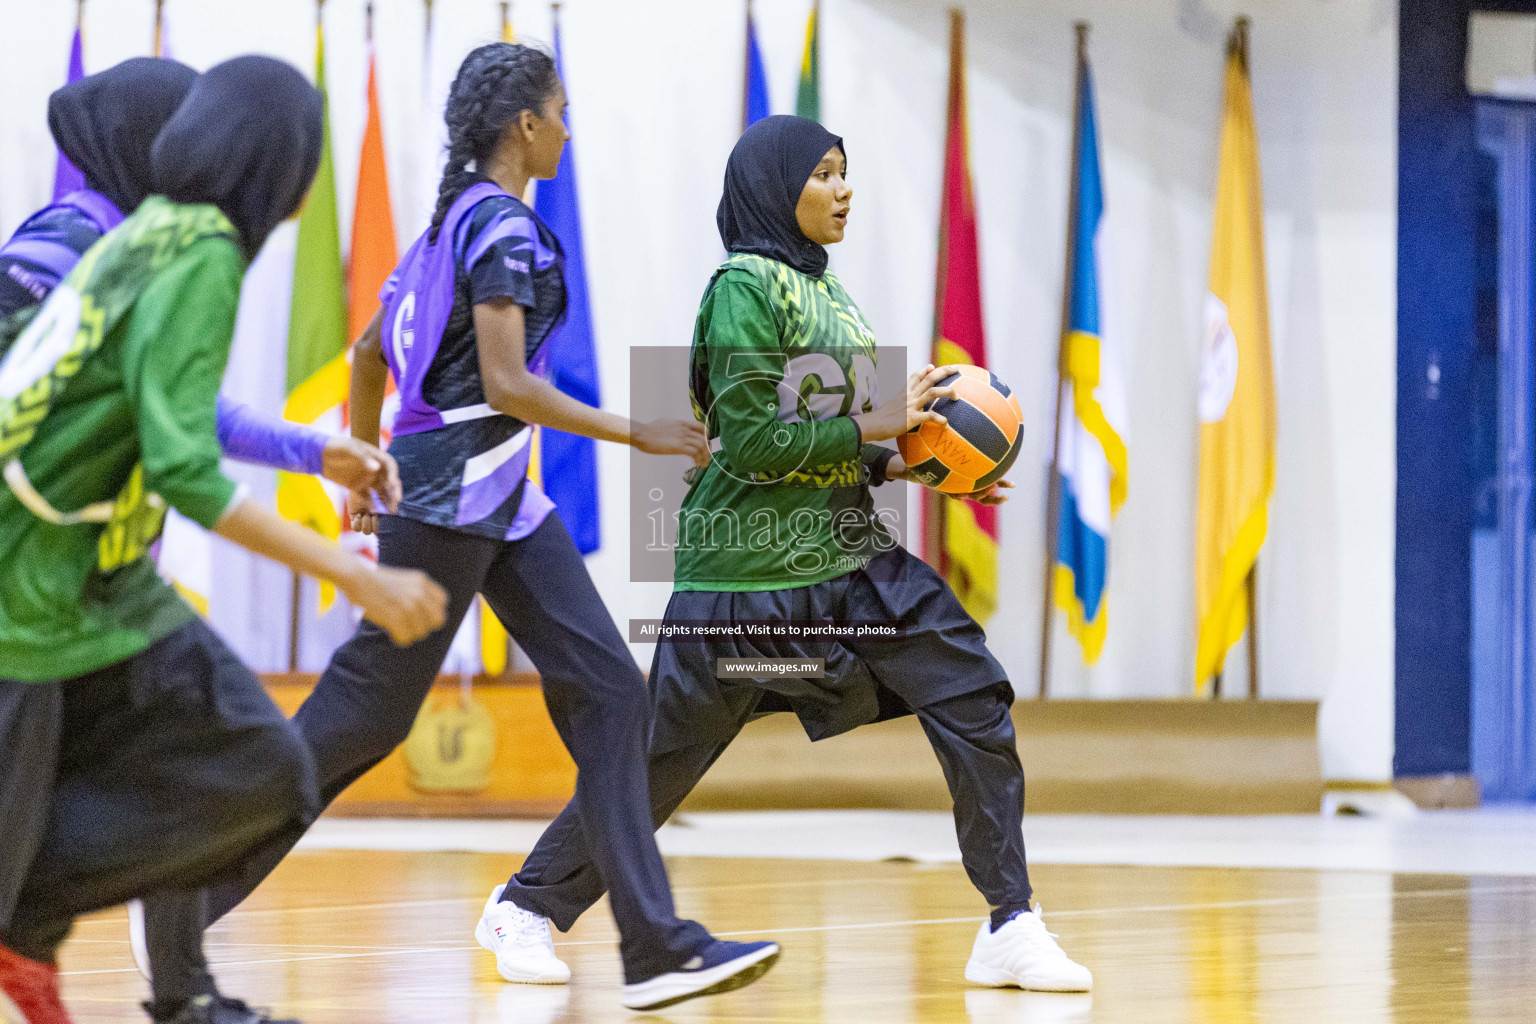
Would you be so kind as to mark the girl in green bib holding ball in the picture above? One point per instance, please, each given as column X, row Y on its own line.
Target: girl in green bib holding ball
column 780, row 528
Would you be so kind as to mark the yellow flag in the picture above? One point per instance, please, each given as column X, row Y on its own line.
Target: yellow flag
column 1237, row 391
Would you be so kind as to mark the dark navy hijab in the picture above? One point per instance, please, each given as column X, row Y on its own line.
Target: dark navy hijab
column 764, row 177
column 247, row 140
column 106, row 123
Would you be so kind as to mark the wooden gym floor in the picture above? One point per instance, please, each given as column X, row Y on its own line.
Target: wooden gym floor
column 350, row 937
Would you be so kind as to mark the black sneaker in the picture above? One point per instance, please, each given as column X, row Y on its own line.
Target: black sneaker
column 721, row 967
column 217, row 1010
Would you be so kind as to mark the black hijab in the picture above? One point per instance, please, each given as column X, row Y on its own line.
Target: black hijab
column 106, row 123
column 247, row 140
column 763, row 181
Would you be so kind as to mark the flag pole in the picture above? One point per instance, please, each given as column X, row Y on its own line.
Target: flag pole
column 159, row 28
column 1240, row 41
column 1053, row 483
column 506, row 21
column 368, row 24
column 296, row 595
column 79, row 14
column 933, row 502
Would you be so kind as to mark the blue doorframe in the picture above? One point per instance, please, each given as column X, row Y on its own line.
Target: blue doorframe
column 1438, row 324
column 1502, row 754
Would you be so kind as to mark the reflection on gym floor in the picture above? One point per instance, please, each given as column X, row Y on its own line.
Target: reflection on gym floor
column 346, row 937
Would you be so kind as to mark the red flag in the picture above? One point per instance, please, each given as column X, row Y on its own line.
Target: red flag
column 961, row 536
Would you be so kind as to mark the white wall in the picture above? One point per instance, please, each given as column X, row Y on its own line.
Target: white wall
column 655, row 105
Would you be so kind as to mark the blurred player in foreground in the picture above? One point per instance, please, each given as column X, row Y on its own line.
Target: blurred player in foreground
column 136, row 751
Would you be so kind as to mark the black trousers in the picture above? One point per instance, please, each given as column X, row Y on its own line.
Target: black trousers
column 367, row 700
column 162, row 769
column 972, row 734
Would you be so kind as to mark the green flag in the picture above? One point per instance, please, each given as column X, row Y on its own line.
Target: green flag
column 317, row 327
column 808, row 100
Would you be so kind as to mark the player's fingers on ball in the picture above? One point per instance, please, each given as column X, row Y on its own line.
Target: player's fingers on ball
column 1006, row 484
column 929, row 416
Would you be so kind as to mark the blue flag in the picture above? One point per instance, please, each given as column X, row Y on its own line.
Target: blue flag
column 1091, row 454
column 66, row 176
column 754, row 106
column 568, row 462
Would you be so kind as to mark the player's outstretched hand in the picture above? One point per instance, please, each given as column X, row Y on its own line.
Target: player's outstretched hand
column 905, row 411
column 992, row 495
column 673, row 437
column 405, row 602
column 360, row 466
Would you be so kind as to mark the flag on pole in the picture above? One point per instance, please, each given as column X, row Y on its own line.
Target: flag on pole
column 1237, row 391
column 318, row 374
column 1090, row 452
column 961, row 534
column 754, row 99
column 568, row 462
column 67, row 177
column 374, row 252
column 808, row 96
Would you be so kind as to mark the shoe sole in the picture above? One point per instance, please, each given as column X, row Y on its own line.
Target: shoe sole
column 536, row 979
column 981, row 974
column 728, row 977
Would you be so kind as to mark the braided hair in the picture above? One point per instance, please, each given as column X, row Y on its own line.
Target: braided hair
column 495, row 84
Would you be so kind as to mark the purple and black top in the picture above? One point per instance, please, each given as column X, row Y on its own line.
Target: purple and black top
column 462, row 464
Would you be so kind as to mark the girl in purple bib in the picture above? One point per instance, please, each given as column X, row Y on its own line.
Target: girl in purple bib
column 464, row 322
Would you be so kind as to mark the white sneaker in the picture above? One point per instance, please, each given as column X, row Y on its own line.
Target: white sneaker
column 1024, row 954
column 521, row 940
column 138, row 941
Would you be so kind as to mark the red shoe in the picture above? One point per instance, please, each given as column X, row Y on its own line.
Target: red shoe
column 29, row 991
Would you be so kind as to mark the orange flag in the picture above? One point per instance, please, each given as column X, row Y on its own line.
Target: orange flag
column 374, row 252
column 961, row 535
